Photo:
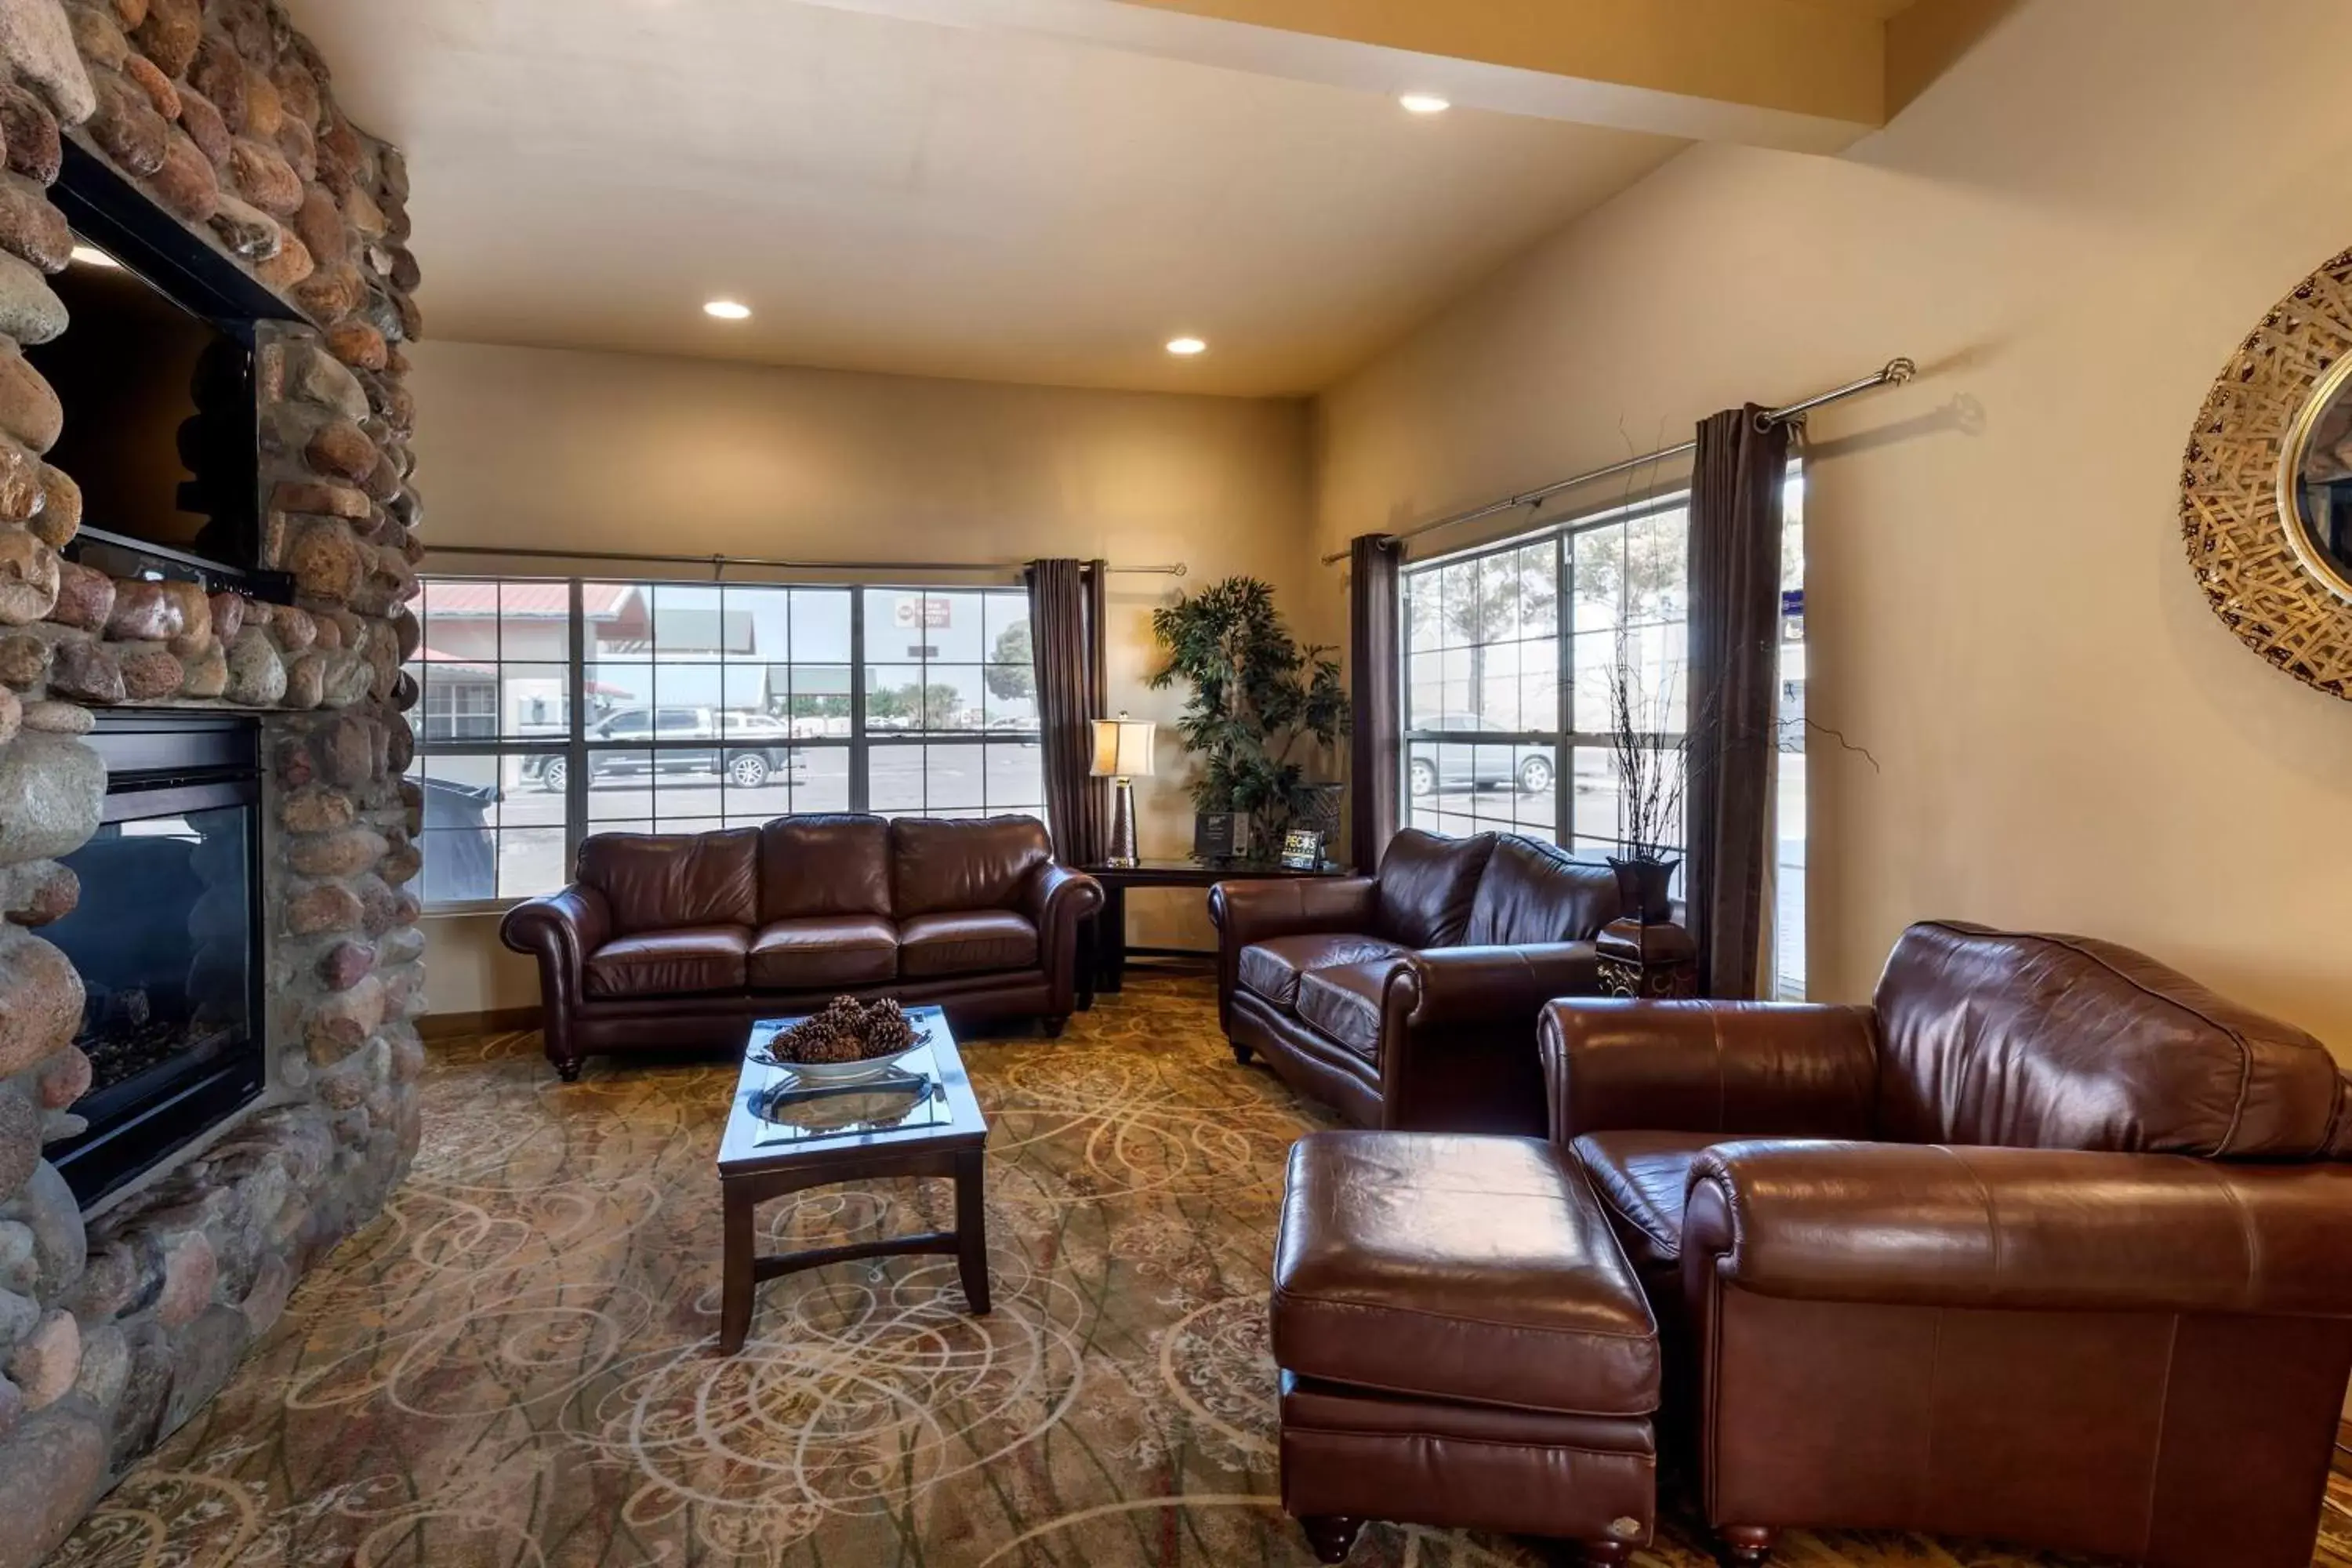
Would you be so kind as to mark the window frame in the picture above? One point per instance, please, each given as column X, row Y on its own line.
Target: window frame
column 574, row 744
column 1564, row 739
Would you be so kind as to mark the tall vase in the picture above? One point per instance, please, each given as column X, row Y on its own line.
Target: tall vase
column 1642, row 952
column 1646, row 889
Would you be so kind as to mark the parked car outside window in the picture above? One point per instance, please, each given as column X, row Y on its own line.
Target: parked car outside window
column 1461, row 765
column 756, row 749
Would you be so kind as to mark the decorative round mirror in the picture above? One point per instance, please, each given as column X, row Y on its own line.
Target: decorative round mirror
column 2316, row 481
column 2266, row 484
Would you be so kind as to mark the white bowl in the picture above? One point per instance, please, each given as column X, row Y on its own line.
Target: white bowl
column 832, row 1075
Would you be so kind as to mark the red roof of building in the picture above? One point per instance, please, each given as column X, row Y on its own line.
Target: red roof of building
column 455, row 662
column 523, row 600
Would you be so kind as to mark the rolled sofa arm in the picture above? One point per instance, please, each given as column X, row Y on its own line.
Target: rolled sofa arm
column 2028, row 1230
column 562, row 929
column 1497, row 986
column 1458, row 1034
column 1742, row 1068
column 1056, row 899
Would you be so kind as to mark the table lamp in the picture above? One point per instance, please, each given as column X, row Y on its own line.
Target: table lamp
column 1122, row 754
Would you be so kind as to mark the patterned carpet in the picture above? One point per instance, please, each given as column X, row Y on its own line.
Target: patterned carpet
column 514, row 1366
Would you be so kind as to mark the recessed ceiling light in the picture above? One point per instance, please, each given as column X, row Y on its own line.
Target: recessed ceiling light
column 1187, row 346
column 1423, row 103
column 91, row 255
column 728, row 310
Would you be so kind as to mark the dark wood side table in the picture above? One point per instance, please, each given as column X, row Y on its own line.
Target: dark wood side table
column 1656, row 960
column 898, row 1128
column 1102, row 939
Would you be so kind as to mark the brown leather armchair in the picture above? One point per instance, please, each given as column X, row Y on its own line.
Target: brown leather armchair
column 676, row 942
column 1410, row 999
column 2047, row 1243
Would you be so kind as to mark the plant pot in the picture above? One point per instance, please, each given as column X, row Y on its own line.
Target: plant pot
column 1644, row 888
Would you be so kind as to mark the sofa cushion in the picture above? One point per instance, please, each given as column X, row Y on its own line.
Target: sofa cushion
column 1427, row 885
column 1344, row 1002
column 1460, row 1267
column 966, row 942
column 819, row 951
column 824, row 864
column 2029, row 1040
column 1530, row 893
column 1641, row 1178
column 666, row 881
column 939, row 867
column 686, row 961
column 1271, row 968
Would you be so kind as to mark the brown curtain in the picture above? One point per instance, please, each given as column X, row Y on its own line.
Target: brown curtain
column 1735, row 633
column 1065, row 635
column 1375, row 668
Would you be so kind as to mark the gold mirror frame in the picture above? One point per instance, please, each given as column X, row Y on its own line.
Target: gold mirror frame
column 2237, row 516
column 2315, row 560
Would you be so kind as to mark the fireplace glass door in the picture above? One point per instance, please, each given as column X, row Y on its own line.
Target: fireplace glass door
column 165, row 941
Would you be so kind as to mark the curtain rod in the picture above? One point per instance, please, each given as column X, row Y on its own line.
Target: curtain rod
column 1894, row 373
column 718, row 563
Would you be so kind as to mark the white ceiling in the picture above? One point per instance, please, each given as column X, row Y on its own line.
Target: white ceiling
column 899, row 195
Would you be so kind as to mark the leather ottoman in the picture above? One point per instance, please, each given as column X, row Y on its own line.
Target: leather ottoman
column 1461, row 1344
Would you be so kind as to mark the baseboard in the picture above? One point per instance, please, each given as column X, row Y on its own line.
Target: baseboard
column 498, row 1021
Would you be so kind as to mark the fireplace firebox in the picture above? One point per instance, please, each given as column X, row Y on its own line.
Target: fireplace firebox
column 167, row 940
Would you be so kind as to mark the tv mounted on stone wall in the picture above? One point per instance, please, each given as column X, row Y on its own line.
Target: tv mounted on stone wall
column 155, row 376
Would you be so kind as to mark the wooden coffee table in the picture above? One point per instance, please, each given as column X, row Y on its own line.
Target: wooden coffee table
column 922, row 1122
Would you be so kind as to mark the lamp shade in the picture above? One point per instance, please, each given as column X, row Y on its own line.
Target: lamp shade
column 1122, row 749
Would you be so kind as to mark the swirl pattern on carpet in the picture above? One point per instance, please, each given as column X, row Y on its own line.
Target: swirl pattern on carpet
column 515, row 1366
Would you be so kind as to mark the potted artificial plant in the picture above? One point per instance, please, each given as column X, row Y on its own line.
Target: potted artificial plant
column 1263, row 704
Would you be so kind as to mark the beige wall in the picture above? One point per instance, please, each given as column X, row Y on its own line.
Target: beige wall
column 2071, row 233
column 533, row 447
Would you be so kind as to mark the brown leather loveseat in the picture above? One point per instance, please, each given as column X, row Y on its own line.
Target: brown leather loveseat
column 674, row 941
column 1410, row 999
column 2048, row 1244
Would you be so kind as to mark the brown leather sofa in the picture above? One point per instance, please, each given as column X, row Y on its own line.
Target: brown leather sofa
column 2048, row 1244
column 676, row 941
column 1410, row 999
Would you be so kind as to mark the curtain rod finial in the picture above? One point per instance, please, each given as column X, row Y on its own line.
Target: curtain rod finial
column 1899, row 371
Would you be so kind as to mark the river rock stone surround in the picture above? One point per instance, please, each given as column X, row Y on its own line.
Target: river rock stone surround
column 114, row 1329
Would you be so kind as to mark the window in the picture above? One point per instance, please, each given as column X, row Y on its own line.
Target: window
column 1511, row 653
column 1509, row 658
column 1789, row 784
column 704, row 705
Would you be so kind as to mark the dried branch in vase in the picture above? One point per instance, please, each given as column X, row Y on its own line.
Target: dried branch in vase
column 1650, row 769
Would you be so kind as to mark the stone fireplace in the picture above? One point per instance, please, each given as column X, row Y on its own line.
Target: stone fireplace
column 208, row 959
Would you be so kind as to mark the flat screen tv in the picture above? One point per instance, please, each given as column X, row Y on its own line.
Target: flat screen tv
column 159, row 413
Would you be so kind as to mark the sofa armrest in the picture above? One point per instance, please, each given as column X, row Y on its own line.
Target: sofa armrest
column 562, row 928
column 1494, row 986
column 1056, row 900
column 1741, row 1068
column 1260, row 909
column 1457, row 1049
column 2025, row 1229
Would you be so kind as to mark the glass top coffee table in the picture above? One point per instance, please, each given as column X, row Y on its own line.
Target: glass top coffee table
column 785, row 1134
